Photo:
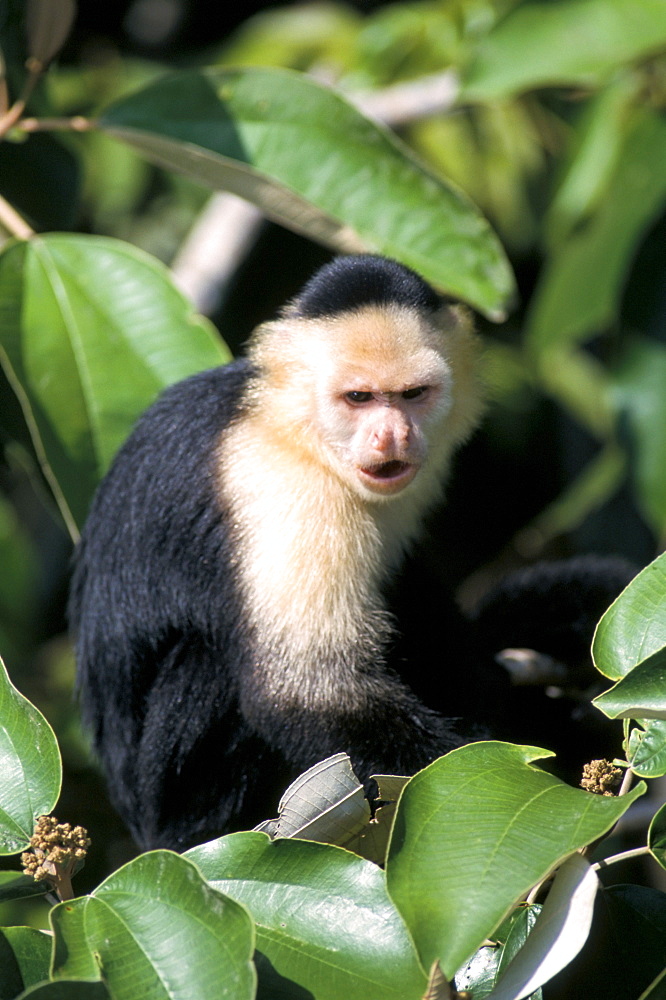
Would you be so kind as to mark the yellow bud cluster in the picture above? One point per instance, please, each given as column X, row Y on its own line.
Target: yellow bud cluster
column 56, row 850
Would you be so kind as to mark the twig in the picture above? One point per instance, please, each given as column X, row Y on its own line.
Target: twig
column 13, row 222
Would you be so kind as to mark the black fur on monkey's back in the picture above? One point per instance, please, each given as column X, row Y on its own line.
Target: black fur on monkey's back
column 193, row 736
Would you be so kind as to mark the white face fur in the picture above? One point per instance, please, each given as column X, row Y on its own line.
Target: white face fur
column 384, row 388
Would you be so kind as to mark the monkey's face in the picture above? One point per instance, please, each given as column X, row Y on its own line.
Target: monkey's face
column 385, row 392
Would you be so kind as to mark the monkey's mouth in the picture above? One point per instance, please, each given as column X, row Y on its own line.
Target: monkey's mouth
column 388, row 477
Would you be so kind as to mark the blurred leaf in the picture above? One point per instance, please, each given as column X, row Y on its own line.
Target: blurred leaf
column 634, row 627
column 312, row 162
column 140, row 923
column 48, row 23
column 77, row 315
column 639, row 391
column 29, row 764
column 481, row 825
column 580, row 288
column 577, row 43
column 587, row 492
column 560, row 931
column 600, row 134
column 13, row 885
column 640, row 694
column 324, row 919
column 646, row 750
column 296, row 36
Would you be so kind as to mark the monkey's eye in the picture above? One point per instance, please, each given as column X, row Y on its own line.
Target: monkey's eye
column 414, row 393
column 357, row 397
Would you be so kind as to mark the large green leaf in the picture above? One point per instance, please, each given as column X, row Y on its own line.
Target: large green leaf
column 323, row 916
column 311, row 161
column 29, row 765
column 154, row 929
column 634, row 627
column 576, row 43
column 91, row 330
column 473, row 832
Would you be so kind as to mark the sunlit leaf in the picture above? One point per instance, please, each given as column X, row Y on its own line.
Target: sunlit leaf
column 29, row 764
column 483, row 826
column 312, row 162
column 155, row 929
column 646, row 751
column 576, row 43
column 634, row 627
column 641, row 694
column 559, row 933
column 324, row 919
column 91, row 330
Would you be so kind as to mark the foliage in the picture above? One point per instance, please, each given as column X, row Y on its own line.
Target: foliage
column 474, row 834
column 549, row 118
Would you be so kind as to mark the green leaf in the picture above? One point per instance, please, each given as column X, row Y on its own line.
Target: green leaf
column 479, row 974
column 312, row 162
column 157, row 931
column 91, row 330
column 29, row 764
column 634, row 627
column 16, row 886
column 639, row 695
column 24, row 959
column 73, row 957
column 577, row 43
column 646, row 751
column 559, row 933
column 70, row 990
column 580, row 287
column 324, row 919
column 481, row 825
column 638, row 392
column 657, row 836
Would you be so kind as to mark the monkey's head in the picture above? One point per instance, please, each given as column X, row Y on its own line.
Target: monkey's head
column 372, row 375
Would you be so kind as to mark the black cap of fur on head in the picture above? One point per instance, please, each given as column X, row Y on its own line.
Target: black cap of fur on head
column 351, row 282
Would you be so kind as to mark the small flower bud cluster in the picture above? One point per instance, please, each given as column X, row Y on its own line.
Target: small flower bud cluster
column 601, row 777
column 57, row 850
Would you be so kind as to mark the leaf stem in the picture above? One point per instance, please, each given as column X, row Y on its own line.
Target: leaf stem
column 13, row 222
column 622, row 856
column 626, row 782
column 75, row 124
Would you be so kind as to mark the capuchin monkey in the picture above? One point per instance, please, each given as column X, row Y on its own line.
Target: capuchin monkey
column 228, row 599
